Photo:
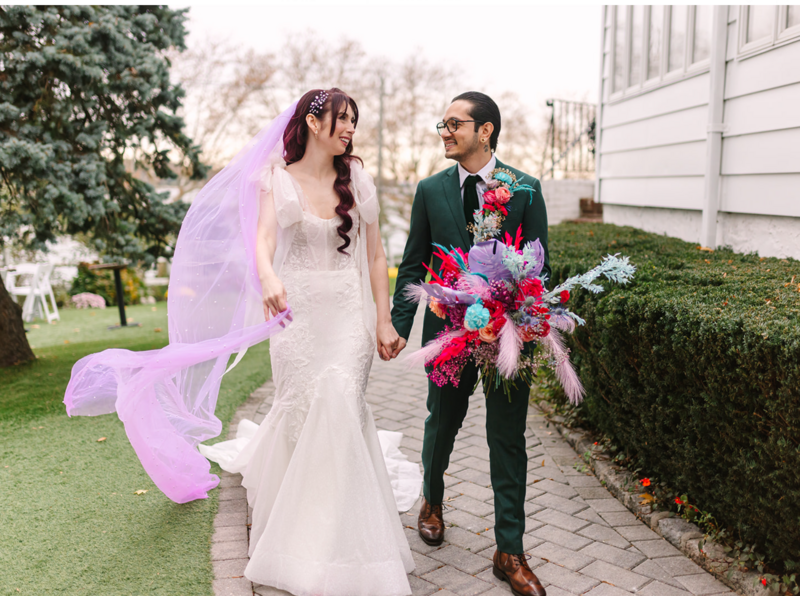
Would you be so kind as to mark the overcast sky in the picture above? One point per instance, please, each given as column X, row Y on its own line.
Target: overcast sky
column 537, row 51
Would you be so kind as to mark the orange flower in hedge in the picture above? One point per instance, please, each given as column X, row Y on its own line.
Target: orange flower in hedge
column 645, row 481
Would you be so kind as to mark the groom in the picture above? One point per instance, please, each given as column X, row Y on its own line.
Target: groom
column 442, row 208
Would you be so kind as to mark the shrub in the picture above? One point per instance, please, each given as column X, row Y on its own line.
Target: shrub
column 693, row 370
column 88, row 300
column 102, row 283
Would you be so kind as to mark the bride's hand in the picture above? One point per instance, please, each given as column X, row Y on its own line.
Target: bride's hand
column 387, row 340
column 273, row 297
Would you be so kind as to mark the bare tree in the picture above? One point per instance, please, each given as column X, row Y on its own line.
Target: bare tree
column 230, row 95
column 418, row 92
column 520, row 142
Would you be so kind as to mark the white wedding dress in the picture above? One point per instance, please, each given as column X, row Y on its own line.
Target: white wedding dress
column 325, row 509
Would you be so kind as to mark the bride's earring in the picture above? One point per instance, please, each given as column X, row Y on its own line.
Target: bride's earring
column 316, row 134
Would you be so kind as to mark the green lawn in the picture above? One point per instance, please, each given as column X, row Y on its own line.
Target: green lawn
column 70, row 522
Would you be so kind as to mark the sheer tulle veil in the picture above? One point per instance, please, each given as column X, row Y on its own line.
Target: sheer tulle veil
column 166, row 398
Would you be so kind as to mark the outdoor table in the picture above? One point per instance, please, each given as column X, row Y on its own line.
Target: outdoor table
column 117, row 268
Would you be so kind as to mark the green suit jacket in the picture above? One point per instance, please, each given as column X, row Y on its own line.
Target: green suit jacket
column 437, row 215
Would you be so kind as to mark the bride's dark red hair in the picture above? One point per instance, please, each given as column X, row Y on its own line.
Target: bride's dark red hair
column 295, row 138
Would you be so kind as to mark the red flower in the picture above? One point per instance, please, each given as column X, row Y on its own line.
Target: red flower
column 531, row 287
column 595, row 442
column 564, row 296
column 763, row 581
column 545, row 329
column 678, row 501
column 645, row 481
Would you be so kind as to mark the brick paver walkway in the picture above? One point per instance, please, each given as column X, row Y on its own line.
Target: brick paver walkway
column 580, row 538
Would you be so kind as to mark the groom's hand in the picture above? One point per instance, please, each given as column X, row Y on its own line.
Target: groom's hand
column 401, row 343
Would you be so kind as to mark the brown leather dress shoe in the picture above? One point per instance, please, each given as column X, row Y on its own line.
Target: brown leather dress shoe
column 514, row 569
column 431, row 523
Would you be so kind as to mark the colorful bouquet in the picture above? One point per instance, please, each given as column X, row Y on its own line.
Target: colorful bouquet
column 501, row 317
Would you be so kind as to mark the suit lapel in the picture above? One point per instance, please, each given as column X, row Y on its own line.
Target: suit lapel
column 452, row 195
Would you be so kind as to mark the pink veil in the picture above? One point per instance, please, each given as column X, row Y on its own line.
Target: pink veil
column 166, row 398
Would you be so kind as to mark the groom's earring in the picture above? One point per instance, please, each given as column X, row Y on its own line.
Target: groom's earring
column 483, row 140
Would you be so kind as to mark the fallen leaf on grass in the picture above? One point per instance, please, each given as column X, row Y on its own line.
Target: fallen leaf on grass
column 77, row 330
column 34, row 326
column 101, row 439
column 139, row 492
column 157, row 329
column 66, row 341
column 153, row 308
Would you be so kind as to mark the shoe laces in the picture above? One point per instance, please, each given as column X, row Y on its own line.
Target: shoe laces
column 522, row 560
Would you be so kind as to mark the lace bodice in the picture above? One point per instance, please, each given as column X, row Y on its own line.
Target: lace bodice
column 315, row 246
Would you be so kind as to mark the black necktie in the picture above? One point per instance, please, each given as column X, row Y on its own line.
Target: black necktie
column 471, row 199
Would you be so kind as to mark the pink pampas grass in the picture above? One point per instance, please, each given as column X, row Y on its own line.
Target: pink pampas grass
column 509, row 348
column 565, row 373
column 475, row 284
column 562, row 323
column 415, row 293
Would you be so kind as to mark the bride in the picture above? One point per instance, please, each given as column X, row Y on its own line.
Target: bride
column 287, row 231
column 324, row 516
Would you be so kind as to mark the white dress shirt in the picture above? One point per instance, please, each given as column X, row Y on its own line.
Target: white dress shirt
column 481, row 185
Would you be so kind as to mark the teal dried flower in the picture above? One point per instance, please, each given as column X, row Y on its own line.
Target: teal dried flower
column 477, row 317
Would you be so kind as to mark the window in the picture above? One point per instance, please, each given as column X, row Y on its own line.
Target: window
column 677, row 37
column 651, row 42
column 619, row 48
column 792, row 16
column 654, row 42
column 702, row 34
column 759, row 23
column 637, row 22
column 761, row 27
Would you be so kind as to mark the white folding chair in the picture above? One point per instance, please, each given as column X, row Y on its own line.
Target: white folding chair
column 23, row 269
column 36, row 293
column 44, row 290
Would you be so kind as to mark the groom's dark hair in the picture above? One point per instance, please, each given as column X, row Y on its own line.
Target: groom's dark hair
column 484, row 110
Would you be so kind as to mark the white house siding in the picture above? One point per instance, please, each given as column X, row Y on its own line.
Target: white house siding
column 652, row 151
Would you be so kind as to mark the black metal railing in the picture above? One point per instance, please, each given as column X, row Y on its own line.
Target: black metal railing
column 570, row 147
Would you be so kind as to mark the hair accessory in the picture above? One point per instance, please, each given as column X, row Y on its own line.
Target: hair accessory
column 319, row 101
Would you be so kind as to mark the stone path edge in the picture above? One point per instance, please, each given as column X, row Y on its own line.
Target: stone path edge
column 684, row 535
column 229, row 542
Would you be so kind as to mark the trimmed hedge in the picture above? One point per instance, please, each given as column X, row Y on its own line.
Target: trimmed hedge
column 694, row 371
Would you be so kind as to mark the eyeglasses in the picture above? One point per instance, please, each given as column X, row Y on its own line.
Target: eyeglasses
column 452, row 125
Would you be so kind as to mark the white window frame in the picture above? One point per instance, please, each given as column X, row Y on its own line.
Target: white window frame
column 688, row 68
column 779, row 34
